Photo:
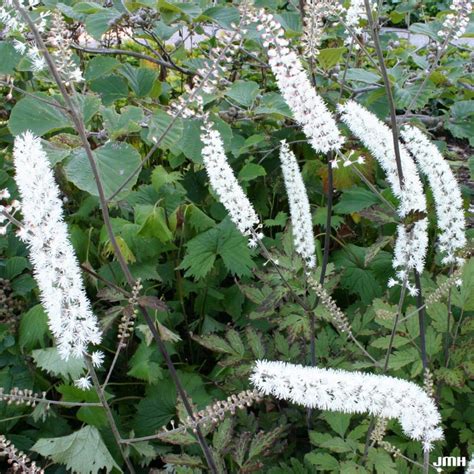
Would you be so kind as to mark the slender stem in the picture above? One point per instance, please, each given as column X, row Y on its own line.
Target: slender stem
column 108, row 412
column 38, row 400
column 385, row 366
column 79, row 124
column 112, row 365
column 105, row 281
column 135, row 54
column 36, row 97
column 266, row 254
column 374, row 28
column 421, row 318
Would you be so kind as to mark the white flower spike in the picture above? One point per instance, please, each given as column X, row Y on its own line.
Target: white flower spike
column 446, row 192
column 353, row 392
column 225, row 184
column 55, row 265
column 411, row 246
column 308, row 108
column 301, row 220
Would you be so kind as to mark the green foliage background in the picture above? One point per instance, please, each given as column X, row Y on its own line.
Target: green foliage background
column 226, row 306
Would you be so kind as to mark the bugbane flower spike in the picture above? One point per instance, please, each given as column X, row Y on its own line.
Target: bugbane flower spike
column 456, row 22
column 60, row 39
column 315, row 14
column 56, row 269
column 301, row 220
column 353, row 392
column 308, row 108
column 225, row 184
column 411, row 245
column 446, row 192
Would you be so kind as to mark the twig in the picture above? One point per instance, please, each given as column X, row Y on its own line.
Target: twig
column 134, row 54
column 393, row 115
column 108, row 412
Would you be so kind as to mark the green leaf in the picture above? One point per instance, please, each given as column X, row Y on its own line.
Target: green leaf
column 157, row 409
column 160, row 122
column 324, row 461
column 404, row 95
column 110, row 88
column 356, row 277
column 224, row 241
column 250, row 171
column 354, row 200
column 153, row 222
column 124, row 123
column 339, row 422
column 362, row 75
column 100, row 66
column 462, row 109
column 160, row 176
column 223, row 16
column 14, row 266
column 329, row 57
column 338, row 445
column 464, row 297
column 33, row 328
column 197, row 219
column 82, row 452
column 141, row 80
column 10, row 58
column 38, row 117
column 50, row 361
column 98, row 23
column 243, row 92
column 143, row 367
column 190, row 143
column 273, row 103
column 382, row 461
column 115, row 162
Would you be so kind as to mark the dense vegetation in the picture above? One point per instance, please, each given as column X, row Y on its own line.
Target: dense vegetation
column 218, row 304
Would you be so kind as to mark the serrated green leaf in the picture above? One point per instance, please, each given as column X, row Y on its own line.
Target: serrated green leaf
column 243, row 92
column 354, row 200
column 329, row 57
column 50, row 361
column 127, row 121
column 82, row 452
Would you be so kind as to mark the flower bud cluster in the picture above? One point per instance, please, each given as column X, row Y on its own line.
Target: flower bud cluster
column 27, row 397
column 215, row 413
column 456, row 22
column 60, row 38
column 18, row 460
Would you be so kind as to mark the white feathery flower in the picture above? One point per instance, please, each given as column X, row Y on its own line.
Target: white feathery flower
column 456, row 23
column 446, row 192
column 301, row 221
column 84, row 383
column 225, row 184
column 308, row 108
column 55, row 265
column 353, row 392
column 411, row 247
column 97, row 358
